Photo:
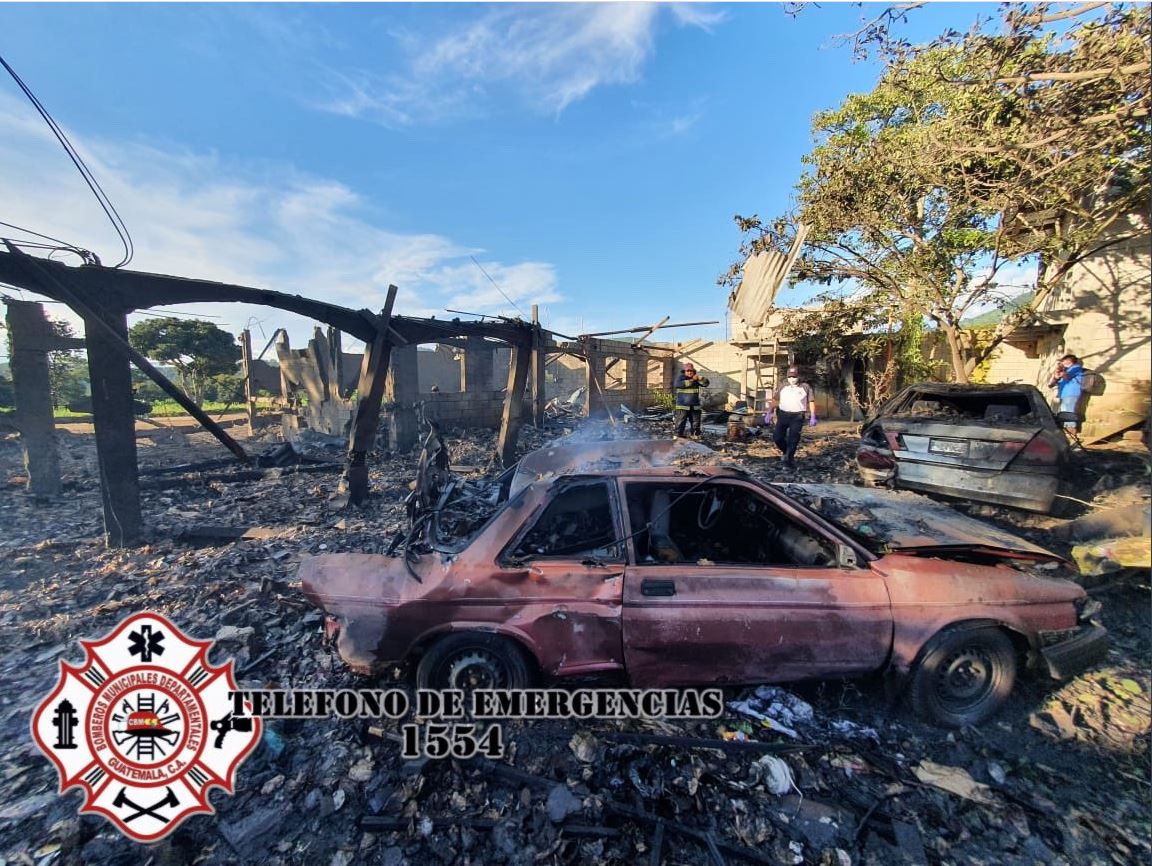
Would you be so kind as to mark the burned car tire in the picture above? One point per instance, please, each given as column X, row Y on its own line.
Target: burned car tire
column 473, row 660
column 963, row 677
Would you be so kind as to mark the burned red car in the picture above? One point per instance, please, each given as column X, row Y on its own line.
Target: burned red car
column 646, row 560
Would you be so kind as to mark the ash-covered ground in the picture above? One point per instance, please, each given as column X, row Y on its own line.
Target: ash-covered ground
column 1061, row 775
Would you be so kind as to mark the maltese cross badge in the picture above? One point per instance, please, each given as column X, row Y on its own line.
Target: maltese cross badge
column 145, row 726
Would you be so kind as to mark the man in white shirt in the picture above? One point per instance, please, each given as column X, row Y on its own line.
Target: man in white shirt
column 789, row 406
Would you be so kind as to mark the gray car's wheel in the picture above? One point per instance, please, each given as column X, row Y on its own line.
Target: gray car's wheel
column 963, row 676
column 473, row 660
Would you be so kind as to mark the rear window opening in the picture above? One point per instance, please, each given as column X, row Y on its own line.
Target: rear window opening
column 997, row 407
column 723, row 524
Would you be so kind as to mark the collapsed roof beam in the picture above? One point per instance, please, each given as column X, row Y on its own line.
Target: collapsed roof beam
column 58, row 286
column 121, row 289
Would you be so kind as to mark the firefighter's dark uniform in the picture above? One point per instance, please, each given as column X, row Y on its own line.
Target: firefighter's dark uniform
column 688, row 403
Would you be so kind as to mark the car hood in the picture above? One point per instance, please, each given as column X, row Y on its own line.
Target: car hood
column 887, row 520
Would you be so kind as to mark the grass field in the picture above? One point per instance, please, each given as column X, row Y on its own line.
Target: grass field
column 160, row 409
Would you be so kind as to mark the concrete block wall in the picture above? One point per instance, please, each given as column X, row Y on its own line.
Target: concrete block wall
column 438, row 367
column 1012, row 363
column 719, row 362
column 1105, row 306
column 463, row 409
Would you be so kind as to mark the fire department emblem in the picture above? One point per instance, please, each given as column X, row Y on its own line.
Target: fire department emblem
column 145, row 726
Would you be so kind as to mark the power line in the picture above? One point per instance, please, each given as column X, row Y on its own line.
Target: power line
column 86, row 256
column 90, row 179
column 63, row 244
column 493, row 282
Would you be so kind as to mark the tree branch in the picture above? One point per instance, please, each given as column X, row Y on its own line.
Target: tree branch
column 1075, row 12
column 1083, row 75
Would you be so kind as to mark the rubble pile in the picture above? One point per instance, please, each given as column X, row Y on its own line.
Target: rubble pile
column 816, row 773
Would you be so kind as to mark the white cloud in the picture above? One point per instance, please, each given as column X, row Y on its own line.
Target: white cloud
column 702, row 15
column 547, row 57
column 267, row 226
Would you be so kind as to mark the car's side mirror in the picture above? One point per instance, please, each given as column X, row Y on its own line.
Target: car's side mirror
column 845, row 556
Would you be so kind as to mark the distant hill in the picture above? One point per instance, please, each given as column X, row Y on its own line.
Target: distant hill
column 993, row 317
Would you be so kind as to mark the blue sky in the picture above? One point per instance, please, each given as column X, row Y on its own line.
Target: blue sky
column 589, row 156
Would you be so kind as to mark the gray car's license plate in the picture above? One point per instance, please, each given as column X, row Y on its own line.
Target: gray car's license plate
column 956, row 447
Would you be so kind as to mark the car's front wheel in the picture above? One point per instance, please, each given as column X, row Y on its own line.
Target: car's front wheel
column 963, row 676
column 473, row 660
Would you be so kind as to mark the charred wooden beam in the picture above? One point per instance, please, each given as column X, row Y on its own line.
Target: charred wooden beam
column 135, row 290
column 715, row 847
column 110, row 375
column 513, row 418
column 373, row 379
column 539, row 362
column 118, row 288
column 246, row 371
column 704, row 743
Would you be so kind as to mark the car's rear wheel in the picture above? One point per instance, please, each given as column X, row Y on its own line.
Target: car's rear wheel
column 963, row 676
column 473, row 660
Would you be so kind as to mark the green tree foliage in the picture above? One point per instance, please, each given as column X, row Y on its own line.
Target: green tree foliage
column 225, row 388
column 844, row 329
column 1024, row 139
column 67, row 369
column 197, row 349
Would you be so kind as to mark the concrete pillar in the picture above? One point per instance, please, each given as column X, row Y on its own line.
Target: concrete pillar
column 403, row 390
column 30, row 337
column 283, row 347
column 636, row 380
column 594, row 380
column 476, row 371
column 112, row 414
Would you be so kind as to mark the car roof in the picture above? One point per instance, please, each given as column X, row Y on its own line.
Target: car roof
column 568, row 457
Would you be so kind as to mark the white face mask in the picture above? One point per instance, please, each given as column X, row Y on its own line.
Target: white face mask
column 792, row 380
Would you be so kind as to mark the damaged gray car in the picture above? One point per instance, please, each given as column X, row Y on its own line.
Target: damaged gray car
column 991, row 443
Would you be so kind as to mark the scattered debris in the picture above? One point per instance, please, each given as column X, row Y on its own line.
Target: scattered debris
column 954, row 780
column 1113, row 554
column 667, row 792
column 775, row 708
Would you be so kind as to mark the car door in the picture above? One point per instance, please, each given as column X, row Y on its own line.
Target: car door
column 701, row 620
column 564, row 569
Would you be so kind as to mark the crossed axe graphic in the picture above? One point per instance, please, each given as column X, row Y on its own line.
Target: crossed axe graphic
column 169, row 799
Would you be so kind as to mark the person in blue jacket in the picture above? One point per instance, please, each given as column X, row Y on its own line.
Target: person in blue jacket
column 688, row 385
column 1068, row 380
